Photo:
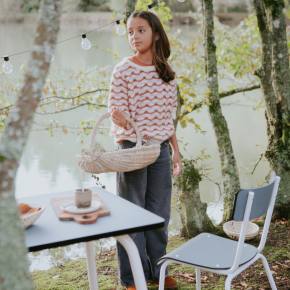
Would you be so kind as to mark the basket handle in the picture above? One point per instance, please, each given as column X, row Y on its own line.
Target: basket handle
column 107, row 115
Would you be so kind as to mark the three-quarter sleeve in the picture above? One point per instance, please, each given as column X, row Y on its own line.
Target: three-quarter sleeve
column 118, row 95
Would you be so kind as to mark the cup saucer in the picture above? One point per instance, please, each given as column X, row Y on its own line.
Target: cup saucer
column 72, row 208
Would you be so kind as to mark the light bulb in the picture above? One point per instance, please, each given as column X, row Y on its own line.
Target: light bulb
column 181, row 0
column 86, row 44
column 150, row 8
column 121, row 30
column 51, row 58
column 7, row 67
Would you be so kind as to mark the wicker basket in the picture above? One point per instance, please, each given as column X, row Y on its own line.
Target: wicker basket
column 28, row 220
column 233, row 229
column 125, row 160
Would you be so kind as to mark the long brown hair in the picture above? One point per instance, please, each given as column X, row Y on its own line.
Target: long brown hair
column 160, row 47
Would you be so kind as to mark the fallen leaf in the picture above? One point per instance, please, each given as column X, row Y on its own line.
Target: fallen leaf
column 272, row 272
column 243, row 284
column 275, row 267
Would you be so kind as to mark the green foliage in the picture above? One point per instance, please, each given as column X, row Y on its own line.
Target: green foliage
column 2, row 158
column 239, row 50
column 88, row 5
column 29, row 6
column 176, row 6
column 163, row 11
column 65, row 89
column 242, row 7
column 190, row 176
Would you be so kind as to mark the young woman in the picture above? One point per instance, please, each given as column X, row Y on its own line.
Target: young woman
column 144, row 88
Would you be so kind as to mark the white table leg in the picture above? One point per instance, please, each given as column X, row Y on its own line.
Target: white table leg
column 135, row 261
column 91, row 264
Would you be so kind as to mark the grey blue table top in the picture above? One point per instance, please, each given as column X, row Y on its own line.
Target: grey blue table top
column 125, row 218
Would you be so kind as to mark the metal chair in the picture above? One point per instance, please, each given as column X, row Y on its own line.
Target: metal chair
column 219, row 255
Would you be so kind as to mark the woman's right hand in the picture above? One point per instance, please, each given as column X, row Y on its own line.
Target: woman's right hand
column 118, row 117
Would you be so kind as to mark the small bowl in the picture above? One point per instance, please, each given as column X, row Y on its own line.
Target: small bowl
column 28, row 220
column 233, row 229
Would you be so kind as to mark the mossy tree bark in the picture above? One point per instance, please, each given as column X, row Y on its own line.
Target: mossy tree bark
column 14, row 267
column 129, row 8
column 275, row 83
column 178, row 110
column 229, row 169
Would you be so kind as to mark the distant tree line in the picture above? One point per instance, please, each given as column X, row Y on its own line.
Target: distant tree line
column 29, row 6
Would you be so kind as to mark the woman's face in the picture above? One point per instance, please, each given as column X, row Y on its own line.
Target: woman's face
column 139, row 34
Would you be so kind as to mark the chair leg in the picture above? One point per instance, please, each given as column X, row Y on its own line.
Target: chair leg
column 228, row 282
column 268, row 271
column 162, row 274
column 197, row 278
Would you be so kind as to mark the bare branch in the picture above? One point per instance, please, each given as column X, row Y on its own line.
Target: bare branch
column 71, row 98
column 227, row 94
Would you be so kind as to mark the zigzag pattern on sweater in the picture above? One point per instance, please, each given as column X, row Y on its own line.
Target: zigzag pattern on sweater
column 146, row 98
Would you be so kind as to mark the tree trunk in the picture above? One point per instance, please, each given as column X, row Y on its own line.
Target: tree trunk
column 272, row 27
column 229, row 169
column 178, row 110
column 14, row 273
column 129, row 8
column 192, row 211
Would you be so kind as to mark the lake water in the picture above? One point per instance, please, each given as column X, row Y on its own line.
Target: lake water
column 48, row 163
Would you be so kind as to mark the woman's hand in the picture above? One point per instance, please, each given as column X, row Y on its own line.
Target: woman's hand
column 177, row 164
column 118, row 117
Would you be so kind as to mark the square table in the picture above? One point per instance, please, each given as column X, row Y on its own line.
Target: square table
column 125, row 218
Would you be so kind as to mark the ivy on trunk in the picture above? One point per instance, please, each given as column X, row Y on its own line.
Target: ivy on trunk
column 275, row 83
column 192, row 211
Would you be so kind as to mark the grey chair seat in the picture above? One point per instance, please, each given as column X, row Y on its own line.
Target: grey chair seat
column 210, row 251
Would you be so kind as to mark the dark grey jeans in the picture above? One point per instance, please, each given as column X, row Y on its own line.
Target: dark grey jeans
column 150, row 188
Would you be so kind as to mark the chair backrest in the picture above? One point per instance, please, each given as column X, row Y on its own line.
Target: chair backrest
column 251, row 204
column 261, row 200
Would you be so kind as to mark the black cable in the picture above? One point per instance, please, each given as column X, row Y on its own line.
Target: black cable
column 68, row 38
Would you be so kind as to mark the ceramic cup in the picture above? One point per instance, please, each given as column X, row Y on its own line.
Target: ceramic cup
column 83, row 199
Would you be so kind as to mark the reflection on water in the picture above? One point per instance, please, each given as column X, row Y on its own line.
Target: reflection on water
column 48, row 163
column 43, row 260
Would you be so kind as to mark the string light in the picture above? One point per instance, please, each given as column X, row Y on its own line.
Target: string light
column 150, row 8
column 121, row 30
column 86, row 44
column 66, row 39
column 7, row 66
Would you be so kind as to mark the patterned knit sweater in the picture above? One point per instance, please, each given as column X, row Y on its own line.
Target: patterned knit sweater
column 145, row 98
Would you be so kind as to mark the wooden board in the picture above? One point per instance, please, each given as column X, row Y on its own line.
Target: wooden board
column 85, row 218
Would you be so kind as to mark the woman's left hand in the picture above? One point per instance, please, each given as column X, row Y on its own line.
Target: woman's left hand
column 177, row 164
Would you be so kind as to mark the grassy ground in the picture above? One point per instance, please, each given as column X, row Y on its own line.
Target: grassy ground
column 73, row 275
